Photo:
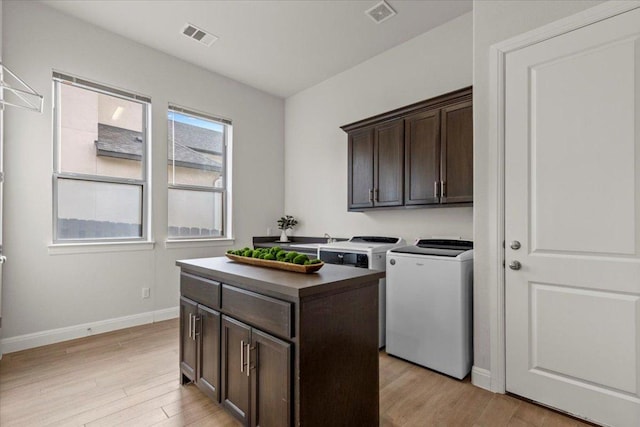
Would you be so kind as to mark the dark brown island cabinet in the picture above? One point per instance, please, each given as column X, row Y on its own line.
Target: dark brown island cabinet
column 420, row 155
column 277, row 348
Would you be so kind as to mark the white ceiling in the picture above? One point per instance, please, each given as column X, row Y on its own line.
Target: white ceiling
column 281, row 47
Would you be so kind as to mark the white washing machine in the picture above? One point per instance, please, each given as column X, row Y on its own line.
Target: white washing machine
column 429, row 305
column 364, row 252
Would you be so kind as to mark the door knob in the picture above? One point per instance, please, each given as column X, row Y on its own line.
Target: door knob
column 515, row 245
column 515, row 265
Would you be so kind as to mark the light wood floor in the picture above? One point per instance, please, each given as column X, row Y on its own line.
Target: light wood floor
column 130, row 378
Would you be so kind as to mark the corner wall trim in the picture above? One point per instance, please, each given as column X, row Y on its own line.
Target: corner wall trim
column 52, row 336
column 481, row 378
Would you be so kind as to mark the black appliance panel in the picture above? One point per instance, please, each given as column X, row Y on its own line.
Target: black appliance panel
column 345, row 258
column 374, row 239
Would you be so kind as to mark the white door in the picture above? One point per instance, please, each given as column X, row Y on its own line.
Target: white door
column 572, row 200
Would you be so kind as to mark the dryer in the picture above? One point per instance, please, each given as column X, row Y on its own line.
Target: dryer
column 364, row 252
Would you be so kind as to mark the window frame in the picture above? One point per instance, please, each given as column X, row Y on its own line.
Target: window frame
column 144, row 182
column 225, row 190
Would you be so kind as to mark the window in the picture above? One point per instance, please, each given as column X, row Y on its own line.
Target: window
column 198, row 175
column 100, row 163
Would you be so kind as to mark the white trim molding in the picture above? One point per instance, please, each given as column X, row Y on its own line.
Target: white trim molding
column 97, row 247
column 481, row 378
column 52, row 336
column 498, row 53
column 197, row 243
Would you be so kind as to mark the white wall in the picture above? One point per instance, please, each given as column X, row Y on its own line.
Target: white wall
column 431, row 64
column 1, row 170
column 495, row 21
column 44, row 291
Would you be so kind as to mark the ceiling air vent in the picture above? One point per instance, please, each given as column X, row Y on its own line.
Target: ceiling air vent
column 199, row 34
column 380, row 12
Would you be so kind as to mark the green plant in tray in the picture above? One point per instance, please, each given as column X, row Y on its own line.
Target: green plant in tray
column 275, row 253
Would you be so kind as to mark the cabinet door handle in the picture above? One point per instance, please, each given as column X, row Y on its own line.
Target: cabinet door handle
column 442, row 188
column 195, row 326
column 193, row 323
column 248, row 359
column 435, row 188
column 375, row 198
column 189, row 325
column 371, row 195
column 241, row 356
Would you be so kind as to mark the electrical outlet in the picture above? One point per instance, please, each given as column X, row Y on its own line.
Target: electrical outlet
column 268, row 231
column 146, row 292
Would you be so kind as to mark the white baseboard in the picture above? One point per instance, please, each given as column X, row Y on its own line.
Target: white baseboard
column 166, row 314
column 52, row 336
column 481, row 378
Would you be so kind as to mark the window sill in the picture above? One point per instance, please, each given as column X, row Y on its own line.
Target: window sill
column 198, row 243
column 97, row 247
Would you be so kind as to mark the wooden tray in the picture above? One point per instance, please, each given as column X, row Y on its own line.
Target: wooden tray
column 287, row 266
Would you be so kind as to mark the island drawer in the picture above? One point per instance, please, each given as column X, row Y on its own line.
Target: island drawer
column 199, row 289
column 266, row 313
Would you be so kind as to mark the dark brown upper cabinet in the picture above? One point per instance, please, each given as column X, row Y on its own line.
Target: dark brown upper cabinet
column 456, row 174
column 376, row 156
column 420, row 155
column 387, row 162
column 361, row 169
column 422, row 158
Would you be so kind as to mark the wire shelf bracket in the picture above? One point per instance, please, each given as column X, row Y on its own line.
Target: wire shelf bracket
column 21, row 94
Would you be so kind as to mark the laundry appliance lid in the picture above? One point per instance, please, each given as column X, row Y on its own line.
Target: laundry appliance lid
column 438, row 247
column 365, row 244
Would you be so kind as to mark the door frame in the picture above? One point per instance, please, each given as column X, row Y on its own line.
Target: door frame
column 496, row 380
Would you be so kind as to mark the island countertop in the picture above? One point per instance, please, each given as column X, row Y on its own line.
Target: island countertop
column 330, row 278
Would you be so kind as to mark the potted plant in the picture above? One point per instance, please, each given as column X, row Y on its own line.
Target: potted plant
column 285, row 223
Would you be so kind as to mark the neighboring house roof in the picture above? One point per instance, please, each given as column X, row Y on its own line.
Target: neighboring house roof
column 188, row 158
column 197, row 138
column 118, row 142
column 127, row 144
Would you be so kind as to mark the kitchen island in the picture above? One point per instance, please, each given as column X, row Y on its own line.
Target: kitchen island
column 277, row 348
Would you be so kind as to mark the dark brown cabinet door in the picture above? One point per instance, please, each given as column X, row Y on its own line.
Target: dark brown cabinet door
column 188, row 343
column 422, row 158
column 235, row 379
column 457, row 153
column 208, row 373
column 270, row 381
column 388, row 164
column 361, row 169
